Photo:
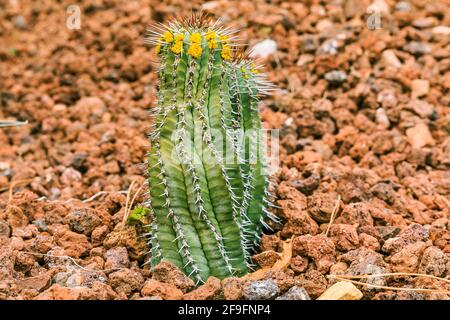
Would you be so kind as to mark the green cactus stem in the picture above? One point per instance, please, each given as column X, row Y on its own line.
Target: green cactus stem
column 206, row 168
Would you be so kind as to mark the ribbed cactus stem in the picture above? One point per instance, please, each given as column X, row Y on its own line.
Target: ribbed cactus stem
column 206, row 168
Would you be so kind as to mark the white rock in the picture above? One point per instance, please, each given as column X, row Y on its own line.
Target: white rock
column 422, row 108
column 390, row 59
column 378, row 6
column 210, row 5
column 264, row 49
column 441, row 30
column 382, row 118
column 419, row 136
column 342, row 290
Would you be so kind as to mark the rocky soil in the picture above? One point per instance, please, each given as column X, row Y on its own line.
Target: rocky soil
column 364, row 124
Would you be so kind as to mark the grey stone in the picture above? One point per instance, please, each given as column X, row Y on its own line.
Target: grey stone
column 295, row 293
column 336, row 76
column 261, row 290
column 5, row 230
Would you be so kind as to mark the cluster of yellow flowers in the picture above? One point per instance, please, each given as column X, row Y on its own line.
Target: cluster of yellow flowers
column 211, row 38
column 195, row 49
column 178, row 46
column 226, row 49
column 253, row 68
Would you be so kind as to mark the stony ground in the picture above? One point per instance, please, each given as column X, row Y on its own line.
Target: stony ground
column 364, row 120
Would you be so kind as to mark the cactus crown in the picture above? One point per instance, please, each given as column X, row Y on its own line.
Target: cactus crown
column 206, row 169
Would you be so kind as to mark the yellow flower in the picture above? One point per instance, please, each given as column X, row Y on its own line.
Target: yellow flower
column 253, row 68
column 176, row 48
column 224, row 39
column 195, row 37
column 157, row 49
column 212, row 44
column 168, row 37
column 243, row 70
column 195, row 50
column 226, row 52
column 211, row 35
column 179, row 37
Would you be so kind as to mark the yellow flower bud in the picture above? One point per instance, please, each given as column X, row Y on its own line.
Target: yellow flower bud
column 210, row 35
column 157, row 49
column 179, row 37
column 212, row 44
column 195, row 50
column 177, row 47
column 224, row 39
column 168, row 37
column 226, row 52
column 195, row 37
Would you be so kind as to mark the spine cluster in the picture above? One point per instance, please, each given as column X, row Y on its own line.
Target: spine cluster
column 206, row 168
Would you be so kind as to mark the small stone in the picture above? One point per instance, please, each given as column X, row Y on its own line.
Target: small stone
column 232, row 288
column 403, row 6
column 264, row 49
column 58, row 292
column 330, row 46
column 168, row 273
column 41, row 225
column 320, row 248
column 165, row 291
column 433, row 262
column 441, row 30
column 99, row 234
column 5, row 230
column 407, row 259
column 261, row 290
column 409, row 235
column 74, row 244
column 425, row 22
column 117, row 258
column 23, row 232
column 126, row 281
column 299, row 264
column 321, row 206
column 336, row 76
column 127, row 236
column 379, row 6
column 387, row 232
column 93, row 106
column 295, row 293
column 266, row 259
column 344, row 236
column 38, row 283
column 313, row 281
column 210, row 290
column 417, row 48
column 19, row 22
column 69, row 176
column 83, row 221
column 390, row 59
column 15, row 217
column 419, row 136
column 369, row 242
column 342, row 290
column 421, row 108
column 381, row 118
column 419, row 88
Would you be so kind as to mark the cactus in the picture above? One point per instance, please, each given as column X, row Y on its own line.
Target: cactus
column 206, row 168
